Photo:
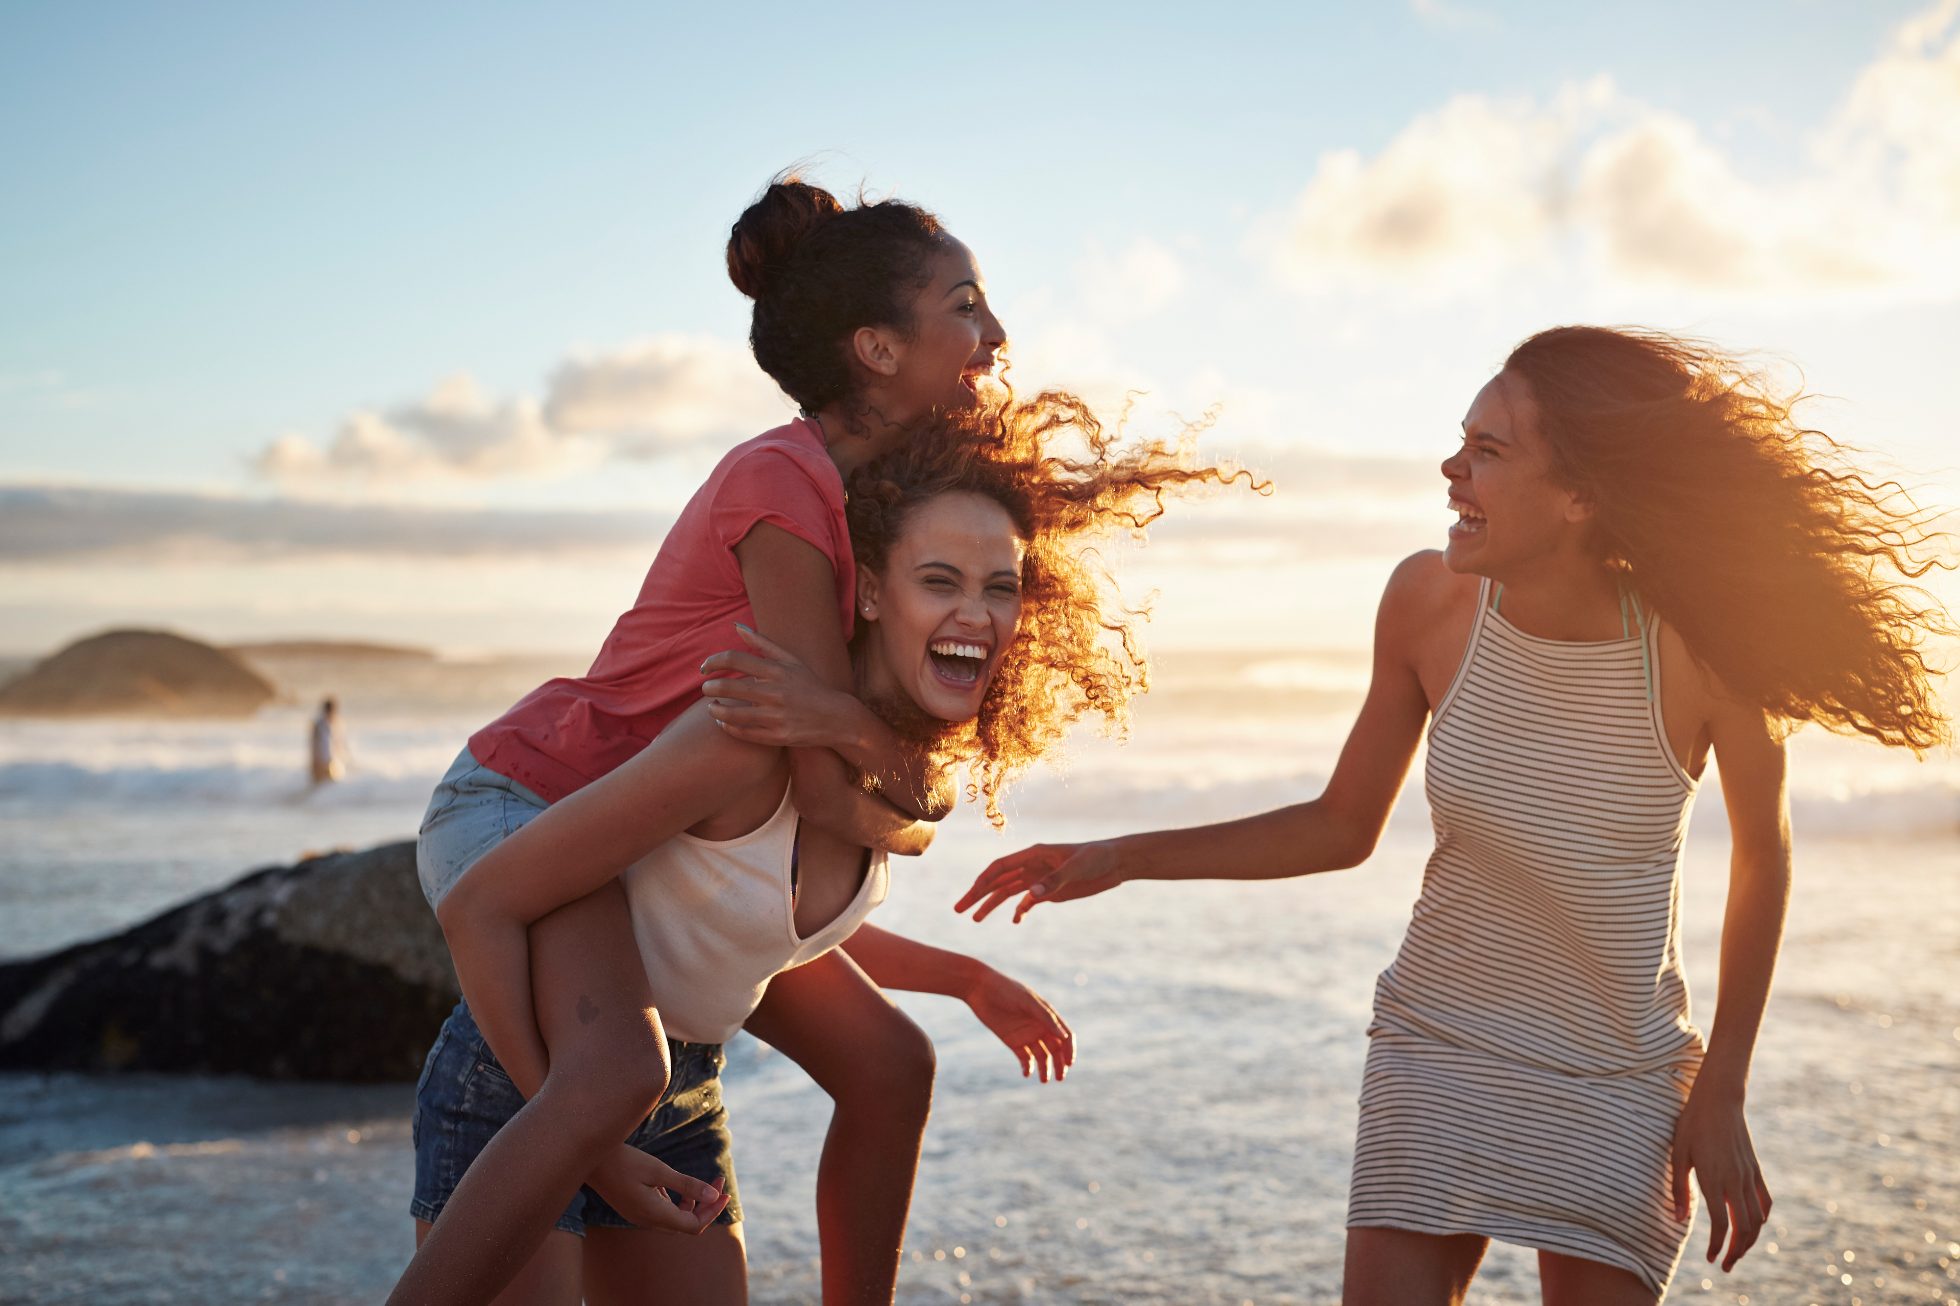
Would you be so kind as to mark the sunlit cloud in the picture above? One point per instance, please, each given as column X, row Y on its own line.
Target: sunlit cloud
column 1599, row 182
column 62, row 525
column 455, row 431
column 665, row 392
column 641, row 400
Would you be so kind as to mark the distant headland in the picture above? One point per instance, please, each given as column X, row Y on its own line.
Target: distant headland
column 137, row 673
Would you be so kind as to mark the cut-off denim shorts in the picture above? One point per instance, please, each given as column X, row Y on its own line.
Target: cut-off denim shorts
column 472, row 811
column 464, row 1096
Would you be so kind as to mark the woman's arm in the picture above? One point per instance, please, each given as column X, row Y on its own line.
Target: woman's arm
column 1018, row 1016
column 794, row 597
column 1712, row 1137
column 1337, row 830
column 573, row 847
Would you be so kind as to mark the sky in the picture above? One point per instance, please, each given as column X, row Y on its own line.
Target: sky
column 411, row 323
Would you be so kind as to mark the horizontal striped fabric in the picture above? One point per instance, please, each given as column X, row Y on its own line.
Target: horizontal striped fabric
column 1531, row 1047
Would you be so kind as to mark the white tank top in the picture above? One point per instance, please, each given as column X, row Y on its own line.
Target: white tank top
column 715, row 922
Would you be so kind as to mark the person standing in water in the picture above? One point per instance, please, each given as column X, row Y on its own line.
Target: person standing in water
column 1652, row 563
column 327, row 748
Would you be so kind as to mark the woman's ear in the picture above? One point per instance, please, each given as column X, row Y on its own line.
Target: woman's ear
column 1580, row 506
column 877, row 350
column 867, row 595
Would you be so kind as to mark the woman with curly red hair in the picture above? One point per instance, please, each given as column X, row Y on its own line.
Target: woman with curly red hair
column 1653, row 564
column 985, row 630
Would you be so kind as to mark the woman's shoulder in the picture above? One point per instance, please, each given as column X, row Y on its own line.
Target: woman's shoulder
column 792, row 449
column 1425, row 606
column 1424, row 583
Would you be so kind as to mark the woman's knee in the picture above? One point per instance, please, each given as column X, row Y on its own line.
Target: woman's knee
column 895, row 1070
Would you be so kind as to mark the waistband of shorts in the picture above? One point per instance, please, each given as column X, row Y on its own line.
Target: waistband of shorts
column 677, row 1048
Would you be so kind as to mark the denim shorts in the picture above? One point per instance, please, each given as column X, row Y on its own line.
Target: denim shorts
column 464, row 1097
column 472, row 811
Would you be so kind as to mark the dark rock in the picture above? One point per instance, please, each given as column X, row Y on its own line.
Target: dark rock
column 333, row 968
column 137, row 672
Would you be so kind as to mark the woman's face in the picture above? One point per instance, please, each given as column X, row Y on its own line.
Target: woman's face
column 1510, row 512
column 946, row 605
column 955, row 345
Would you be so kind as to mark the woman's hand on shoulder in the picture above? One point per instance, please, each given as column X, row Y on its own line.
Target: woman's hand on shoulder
column 1022, row 1019
column 766, row 695
column 1046, row 872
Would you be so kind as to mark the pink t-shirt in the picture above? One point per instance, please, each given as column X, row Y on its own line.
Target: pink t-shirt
column 569, row 732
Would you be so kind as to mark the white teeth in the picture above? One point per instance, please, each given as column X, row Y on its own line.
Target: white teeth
column 954, row 649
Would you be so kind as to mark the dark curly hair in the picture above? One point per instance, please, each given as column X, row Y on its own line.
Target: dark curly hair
column 1781, row 563
column 1068, row 483
column 818, row 271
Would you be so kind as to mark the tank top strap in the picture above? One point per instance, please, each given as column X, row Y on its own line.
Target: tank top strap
column 1488, row 593
column 1649, row 627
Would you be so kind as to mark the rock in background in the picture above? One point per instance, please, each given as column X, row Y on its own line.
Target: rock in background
column 137, row 673
column 333, row 968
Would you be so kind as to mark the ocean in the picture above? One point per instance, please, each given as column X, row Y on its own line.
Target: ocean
column 1198, row 1152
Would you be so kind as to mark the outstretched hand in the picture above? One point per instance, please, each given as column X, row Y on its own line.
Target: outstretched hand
column 766, row 695
column 1022, row 1019
column 1046, row 872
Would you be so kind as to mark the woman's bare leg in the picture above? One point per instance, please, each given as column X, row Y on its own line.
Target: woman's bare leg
column 1576, row 1281
column 877, row 1066
column 1394, row 1267
column 645, row 1267
column 608, row 1069
column 549, row 1278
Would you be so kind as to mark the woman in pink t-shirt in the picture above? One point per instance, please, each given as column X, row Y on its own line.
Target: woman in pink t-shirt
column 872, row 319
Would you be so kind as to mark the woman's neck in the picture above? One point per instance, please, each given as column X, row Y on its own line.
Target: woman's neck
column 1571, row 598
column 855, row 431
column 871, row 676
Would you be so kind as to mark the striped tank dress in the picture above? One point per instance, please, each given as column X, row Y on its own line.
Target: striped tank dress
column 1531, row 1050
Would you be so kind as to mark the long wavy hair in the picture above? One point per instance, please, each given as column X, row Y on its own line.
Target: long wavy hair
column 1785, row 567
column 1070, row 484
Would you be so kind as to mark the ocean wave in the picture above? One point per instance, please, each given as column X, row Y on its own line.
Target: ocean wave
column 1186, row 770
column 209, row 783
column 1830, row 809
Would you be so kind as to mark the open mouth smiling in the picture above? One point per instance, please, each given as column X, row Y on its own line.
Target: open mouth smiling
column 958, row 662
column 1469, row 518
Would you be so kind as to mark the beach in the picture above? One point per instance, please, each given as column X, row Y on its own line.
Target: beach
column 1199, row 1151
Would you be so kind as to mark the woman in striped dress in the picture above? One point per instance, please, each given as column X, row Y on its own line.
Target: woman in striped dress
column 1652, row 563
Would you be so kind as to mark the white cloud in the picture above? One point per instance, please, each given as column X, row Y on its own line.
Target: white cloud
column 456, row 431
column 1460, row 191
column 641, row 400
column 1598, row 182
column 664, row 392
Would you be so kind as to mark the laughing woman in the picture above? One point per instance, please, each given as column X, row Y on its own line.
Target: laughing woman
column 1652, row 564
column 986, row 629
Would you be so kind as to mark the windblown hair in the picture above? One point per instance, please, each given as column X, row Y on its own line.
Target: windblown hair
column 1069, row 484
column 818, row 271
column 1782, row 564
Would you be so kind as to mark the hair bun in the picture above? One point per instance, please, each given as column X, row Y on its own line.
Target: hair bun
column 763, row 238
